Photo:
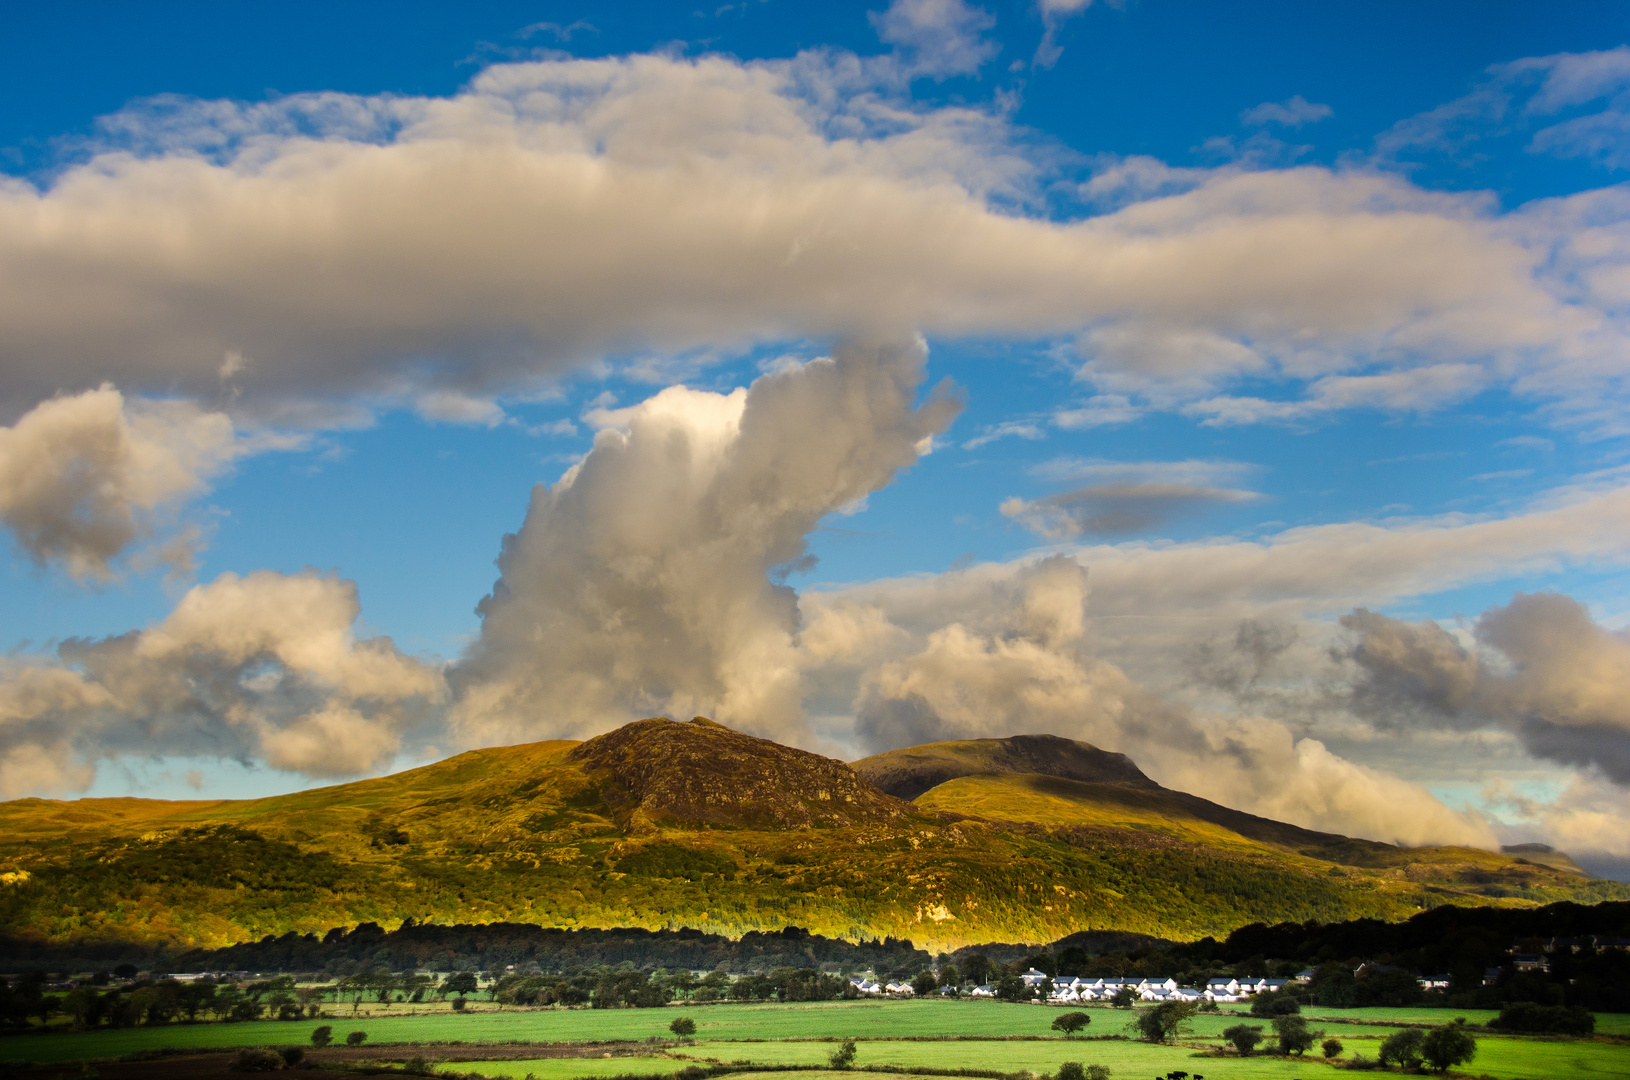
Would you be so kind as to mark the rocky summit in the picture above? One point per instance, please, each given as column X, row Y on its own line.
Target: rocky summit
column 705, row 772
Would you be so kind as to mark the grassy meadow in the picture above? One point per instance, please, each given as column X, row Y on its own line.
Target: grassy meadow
column 907, row 1034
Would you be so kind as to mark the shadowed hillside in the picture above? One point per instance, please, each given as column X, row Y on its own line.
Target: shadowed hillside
column 909, row 772
column 664, row 825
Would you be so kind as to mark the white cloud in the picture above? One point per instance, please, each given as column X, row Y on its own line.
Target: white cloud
column 939, row 37
column 1291, row 113
column 1008, row 429
column 371, row 250
column 1115, row 509
column 262, row 667
column 642, row 582
column 84, row 479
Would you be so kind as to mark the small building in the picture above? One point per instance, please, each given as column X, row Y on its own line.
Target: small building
column 983, row 991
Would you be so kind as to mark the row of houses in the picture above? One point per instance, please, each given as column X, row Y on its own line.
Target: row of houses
column 877, row 989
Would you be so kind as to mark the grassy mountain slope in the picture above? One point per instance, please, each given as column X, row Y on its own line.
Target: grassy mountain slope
column 662, row 825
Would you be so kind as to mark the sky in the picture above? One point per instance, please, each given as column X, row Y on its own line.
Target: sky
column 1239, row 387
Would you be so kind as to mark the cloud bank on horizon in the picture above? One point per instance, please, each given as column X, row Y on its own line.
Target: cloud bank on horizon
column 211, row 281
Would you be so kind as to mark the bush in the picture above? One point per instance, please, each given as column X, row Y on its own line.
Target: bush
column 684, row 1027
column 843, row 1056
column 259, row 1059
column 1274, row 1003
column 322, row 1036
column 1447, row 1046
column 356, row 1038
column 1124, row 998
column 1244, row 1037
column 458, row 1004
column 292, row 1055
column 1545, row 1019
column 1072, row 1070
column 1331, row 1048
column 1402, row 1048
column 1097, row 1072
column 1070, row 1023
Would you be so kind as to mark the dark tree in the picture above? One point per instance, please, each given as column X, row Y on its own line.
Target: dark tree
column 460, row 983
column 1072, row 1070
column 843, row 1056
column 1402, row 1048
column 1331, row 1047
column 1244, row 1037
column 1071, row 1022
column 356, row 1038
column 1163, row 1022
column 1447, row 1046
column 1294, row 1035
column 1124, row 998
column 684, row 1027
column 322, row 1036
column 924, row 984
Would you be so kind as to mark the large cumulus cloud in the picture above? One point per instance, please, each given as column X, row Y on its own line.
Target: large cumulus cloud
column 1539, row 665
column 557, row 211
column 642, row 581
column 84, row 478
column 264, row 667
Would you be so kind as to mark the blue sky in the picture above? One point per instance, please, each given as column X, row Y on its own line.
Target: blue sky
column 1239, row 322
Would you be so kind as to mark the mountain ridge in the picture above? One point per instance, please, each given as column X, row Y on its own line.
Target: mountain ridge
column 663, row 824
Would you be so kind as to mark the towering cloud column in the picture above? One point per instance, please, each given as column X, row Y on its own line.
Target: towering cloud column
column 644, row 581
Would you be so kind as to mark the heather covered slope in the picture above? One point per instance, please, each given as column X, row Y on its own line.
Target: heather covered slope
column 662, row 824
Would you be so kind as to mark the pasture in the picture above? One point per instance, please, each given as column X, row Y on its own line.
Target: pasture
column 908, row 1034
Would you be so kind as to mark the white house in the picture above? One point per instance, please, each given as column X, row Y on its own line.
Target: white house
column 1034, row 977
column 982, row 991
column 902, row 988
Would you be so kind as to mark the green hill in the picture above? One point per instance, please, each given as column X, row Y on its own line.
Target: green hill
column 664, row 825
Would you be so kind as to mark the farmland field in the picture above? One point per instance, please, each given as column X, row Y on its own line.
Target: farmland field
column 909, row 1034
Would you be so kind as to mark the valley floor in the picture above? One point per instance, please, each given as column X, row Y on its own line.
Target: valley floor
column 920, row 1036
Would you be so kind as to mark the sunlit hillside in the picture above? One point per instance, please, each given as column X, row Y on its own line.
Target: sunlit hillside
column 663, row 824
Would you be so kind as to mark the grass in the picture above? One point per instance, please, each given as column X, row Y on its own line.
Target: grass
column 775, row 1034
column 568, row 1068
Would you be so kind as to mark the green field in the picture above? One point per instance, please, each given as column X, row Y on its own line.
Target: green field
column 953, row 1034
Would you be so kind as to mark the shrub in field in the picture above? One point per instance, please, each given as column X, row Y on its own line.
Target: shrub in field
column 1274, row 1003
column 684, row 1027
column 322, row 1036
column 1071, row 1022
column 1545, row 1019
column 1402, row 1048
column 843, row 1056
column 1331, row 1048
column 458, row 1004
column 258, row 1059
column 292, row 1055
column 1447, row 1046
column 356, row 1038
column 1244, row 1037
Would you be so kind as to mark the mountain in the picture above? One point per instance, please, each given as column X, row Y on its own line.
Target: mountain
column 666, row 825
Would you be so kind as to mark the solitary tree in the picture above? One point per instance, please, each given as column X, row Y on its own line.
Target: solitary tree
column 322, row 1036
column 1124, row 998
column 843, row 1056
column 1294, row 1036
column 1244, row 1037
column 1163, row 1022
column 356, row 1038
column 1447, row 1046
column 1331, row 1048
column 1072, row 1070
column 1070, row 1023
column 1402, row 1048
column 684, row 1027
column 925, row 984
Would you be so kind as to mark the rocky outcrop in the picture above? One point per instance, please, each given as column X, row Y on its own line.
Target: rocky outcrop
column 705, row 772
